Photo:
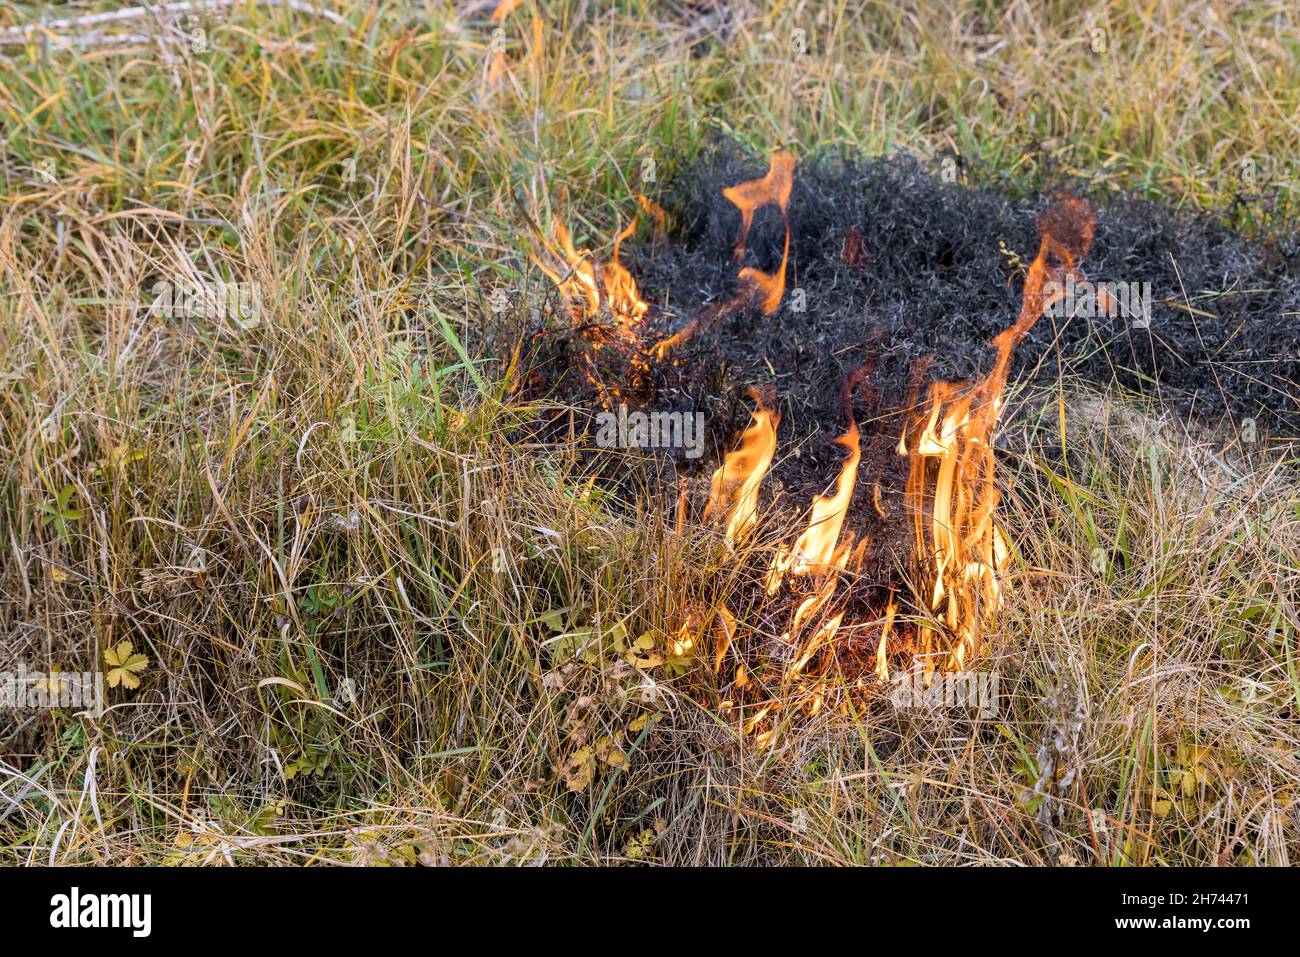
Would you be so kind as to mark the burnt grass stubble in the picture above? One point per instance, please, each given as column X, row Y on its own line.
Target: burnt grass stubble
column 908, row 279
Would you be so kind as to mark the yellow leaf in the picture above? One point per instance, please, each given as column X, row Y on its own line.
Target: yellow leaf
column 638, row 848
column 1196, row 767
column 119, row 457
column 126, row 664
column 607, row 750
column 579, row 769
column 617, row 634
column 1162, row 807
column 642, row 654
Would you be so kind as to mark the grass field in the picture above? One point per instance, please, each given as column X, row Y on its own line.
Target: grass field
column 353, row 592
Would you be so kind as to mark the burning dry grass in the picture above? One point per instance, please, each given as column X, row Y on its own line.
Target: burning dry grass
column 1148, row 712
column 516, row 694
column 379, row 630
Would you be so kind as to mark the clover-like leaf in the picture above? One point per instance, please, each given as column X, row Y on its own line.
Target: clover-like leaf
column 125, row 665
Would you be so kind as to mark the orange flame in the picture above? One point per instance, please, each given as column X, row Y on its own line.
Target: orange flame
column 736, row 481
column 604, row 304
column 951, row 490
column 819, row 554
column 758, row 289
column 882, row 659
column 658, row 217
column 773, row 187
column 815, row 550
column 951, row 467
column 620, row 288
column 586, row 284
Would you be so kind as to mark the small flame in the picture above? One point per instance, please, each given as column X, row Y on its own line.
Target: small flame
column 822, row 636
column 882, row 661
column 736, row 481
column 749, row 197
column 658, row 218
column 625, row 301
column 605, row 306
column 586, row 284
column 758, row 289
column 815, row 550
column 579, row 288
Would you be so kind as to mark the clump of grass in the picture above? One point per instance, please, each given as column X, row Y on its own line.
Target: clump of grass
column 378, row 628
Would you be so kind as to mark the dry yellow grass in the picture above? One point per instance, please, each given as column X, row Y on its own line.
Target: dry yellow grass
column 269, row 509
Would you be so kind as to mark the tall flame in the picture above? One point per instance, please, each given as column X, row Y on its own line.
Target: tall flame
column 951, row 491
column 736, row 481
column 819, row 554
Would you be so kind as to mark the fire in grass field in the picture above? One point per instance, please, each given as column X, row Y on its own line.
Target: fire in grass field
column 837, row 596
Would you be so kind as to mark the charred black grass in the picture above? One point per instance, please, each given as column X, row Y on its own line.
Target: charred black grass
column 935, row 268
column 901, row 278
column 890, row 265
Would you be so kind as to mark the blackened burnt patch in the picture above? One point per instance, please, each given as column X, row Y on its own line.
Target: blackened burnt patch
column 889, row 263
column 909, row 279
